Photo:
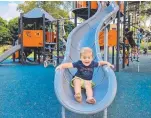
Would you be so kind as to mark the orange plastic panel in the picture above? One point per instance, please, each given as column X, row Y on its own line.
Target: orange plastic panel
column 50, row 37
column 17, row 55
column 94, row 5
column 33, row 38
column 101, row 38
column 112, row 38
column 81, row 4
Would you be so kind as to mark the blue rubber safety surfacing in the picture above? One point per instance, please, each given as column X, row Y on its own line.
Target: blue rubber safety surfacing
column 28, row 92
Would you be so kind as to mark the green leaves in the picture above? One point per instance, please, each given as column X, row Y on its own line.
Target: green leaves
column 55, row 8
column 13, row 28
column 4, row 32
column 8, row 31
column 3, row 22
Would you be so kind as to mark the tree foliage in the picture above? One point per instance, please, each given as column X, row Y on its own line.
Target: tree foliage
column 145, row 12
column 3, row 22
column 13, row 28
column 52, row 7
column 69, row 26
column 4, row 32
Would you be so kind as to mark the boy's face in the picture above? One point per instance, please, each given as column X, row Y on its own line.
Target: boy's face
column 86, row 58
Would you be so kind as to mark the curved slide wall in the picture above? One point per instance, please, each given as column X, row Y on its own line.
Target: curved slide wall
column 86, row 35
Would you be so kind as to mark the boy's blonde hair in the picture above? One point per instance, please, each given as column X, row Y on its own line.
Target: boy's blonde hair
column 85, row 50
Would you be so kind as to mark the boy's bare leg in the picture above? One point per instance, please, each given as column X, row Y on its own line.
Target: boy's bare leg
column 89, row 92
column 77, row 90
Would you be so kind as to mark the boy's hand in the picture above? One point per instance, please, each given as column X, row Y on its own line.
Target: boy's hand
column 110, row 65
column 101, row 63
column 64, row 65
column 58, row 67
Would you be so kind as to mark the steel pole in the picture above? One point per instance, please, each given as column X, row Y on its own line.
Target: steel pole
column 63, row 112
column 118, row 40
column 105, row 44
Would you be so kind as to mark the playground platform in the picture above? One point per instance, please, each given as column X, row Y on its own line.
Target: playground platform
column 28, row 92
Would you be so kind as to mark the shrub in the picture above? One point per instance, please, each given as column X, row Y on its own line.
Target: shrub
column 149, row 46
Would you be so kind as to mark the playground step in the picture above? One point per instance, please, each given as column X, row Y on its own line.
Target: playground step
column 50, row 48
column 46, row 54
column 50, row 43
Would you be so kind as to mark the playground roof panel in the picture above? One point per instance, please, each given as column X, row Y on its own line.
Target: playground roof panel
column 83, row 12
column 38, row 13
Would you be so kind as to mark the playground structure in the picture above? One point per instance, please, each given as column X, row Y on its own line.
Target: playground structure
column 43, row 39
column 49, row 39
column 40, row 35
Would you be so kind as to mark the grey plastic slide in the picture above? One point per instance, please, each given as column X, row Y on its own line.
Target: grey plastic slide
column 9, row 52
column 86, row 35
